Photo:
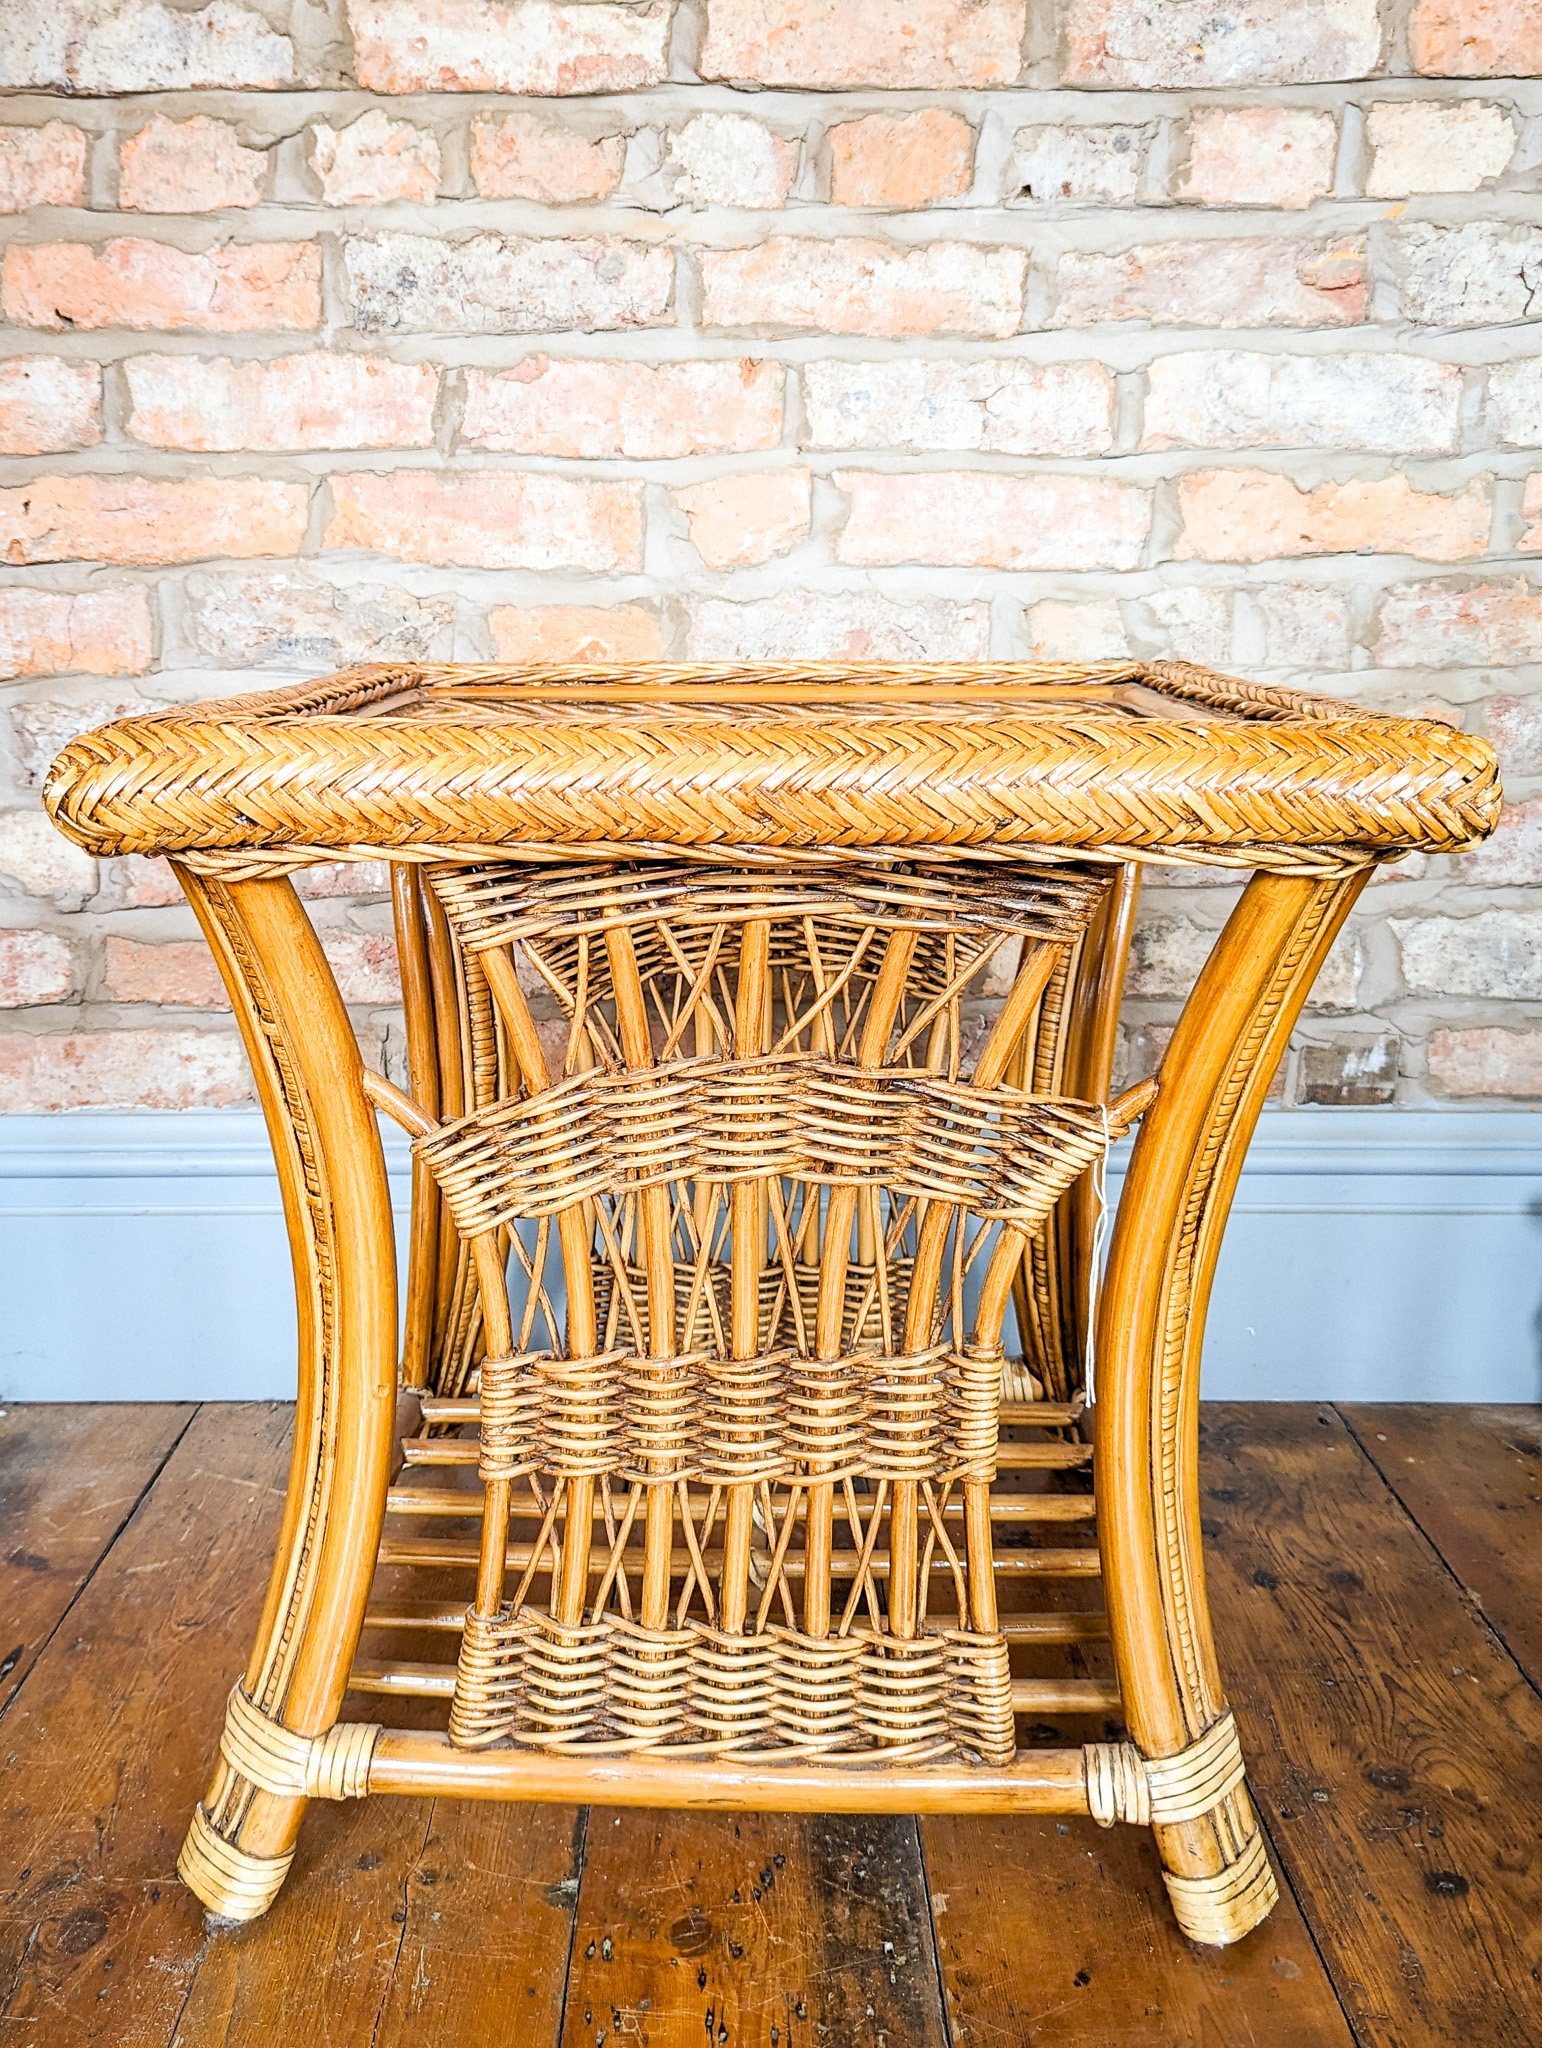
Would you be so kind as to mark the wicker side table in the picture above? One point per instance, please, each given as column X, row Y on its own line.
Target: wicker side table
column 760, row 1024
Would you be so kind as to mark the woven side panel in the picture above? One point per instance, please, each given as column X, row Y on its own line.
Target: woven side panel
column 617, row 1686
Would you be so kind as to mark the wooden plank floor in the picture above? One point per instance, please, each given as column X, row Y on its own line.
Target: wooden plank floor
column 1376, row 1575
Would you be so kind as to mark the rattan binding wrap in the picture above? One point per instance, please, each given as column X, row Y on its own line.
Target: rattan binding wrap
column 410, row 761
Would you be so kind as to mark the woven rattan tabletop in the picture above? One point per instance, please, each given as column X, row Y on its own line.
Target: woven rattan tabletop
column 1145, row 761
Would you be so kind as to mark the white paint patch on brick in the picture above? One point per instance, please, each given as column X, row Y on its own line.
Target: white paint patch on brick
column 1515, row 395
column 495, row 284
column 1003, row 407
column 1091, row 165
column 966, row 519
column 730, row 160
column 114, row 46
column 837, row 626
column 1481, row 274
column 1242, row 398
column 1236, row 42
column 43, row 166
column 48, row 404
column 375, row 160
column 292, row 621
column 1063, row 631
column 37, row 858
column 1419, row 147
column 1495, row 953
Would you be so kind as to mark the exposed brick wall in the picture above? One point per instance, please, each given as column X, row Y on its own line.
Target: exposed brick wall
column 474, row 328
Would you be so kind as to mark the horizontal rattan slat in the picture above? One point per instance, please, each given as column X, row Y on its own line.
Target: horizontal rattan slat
column 921, row 758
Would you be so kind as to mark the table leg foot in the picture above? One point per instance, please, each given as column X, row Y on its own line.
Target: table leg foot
column 232, row 1882
column 1220, row 1907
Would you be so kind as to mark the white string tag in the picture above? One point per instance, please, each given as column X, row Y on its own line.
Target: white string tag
column 1095, row 1263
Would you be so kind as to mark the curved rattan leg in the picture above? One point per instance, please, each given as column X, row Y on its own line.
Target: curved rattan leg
column 1150, row 1327
column 332, row 1174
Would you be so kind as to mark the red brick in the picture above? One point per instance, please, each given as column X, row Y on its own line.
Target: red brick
column 512, row 46
column 531, row 156
column 1259, row 156
column 1257, row 282
column 901, row 160
column 138, row 284
column 1452, row 625
column 138, row 1069
column 305, row 401
column 506, row 284
column 56, row 632
column 865, row 287
column 1487, row 1061
column 730, row 160
column 376, row 160
column 149, row 520
column 998, row 406
column 180, row 972
column 492, row 520
column 42, row 167
column 192, row 166
column 736, row 520
column 1238, row 42
column 575, row 632
column 570, row 405
column 365, row 966
column 970, row 519
column 35, row 967
column 47, row 405
column 1253, row 515
column 909, row 44
column 1476, row 38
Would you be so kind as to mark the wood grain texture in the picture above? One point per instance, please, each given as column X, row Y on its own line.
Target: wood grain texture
column 108, row 1741
column 784, row 1931
column 1472, row 1480
column 1058, row 1933
column 70, row 1477
column 1394, row 1749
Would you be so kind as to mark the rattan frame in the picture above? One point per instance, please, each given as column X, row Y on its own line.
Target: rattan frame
column 798, row 776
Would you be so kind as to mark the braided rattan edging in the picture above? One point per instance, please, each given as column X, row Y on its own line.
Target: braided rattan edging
column 1285, row 782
